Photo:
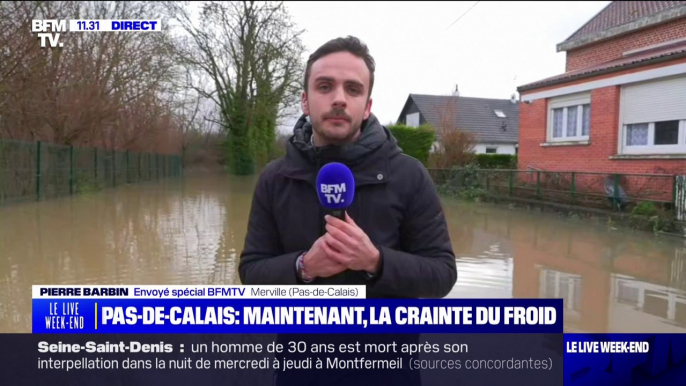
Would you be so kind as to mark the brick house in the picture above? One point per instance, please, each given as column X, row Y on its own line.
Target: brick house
column 620, row 107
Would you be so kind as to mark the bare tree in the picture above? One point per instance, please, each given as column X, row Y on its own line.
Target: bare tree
column 100, row 89
column 455, row 145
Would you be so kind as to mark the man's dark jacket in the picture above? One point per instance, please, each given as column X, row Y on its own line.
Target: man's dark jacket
column 395, row 204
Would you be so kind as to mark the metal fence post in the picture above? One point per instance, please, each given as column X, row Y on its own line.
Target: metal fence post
column 573, row 186
column 678, row 197
column 538, row 184
column 674, row 194
column 38, row 170
column 71, row 169
column 511, row 182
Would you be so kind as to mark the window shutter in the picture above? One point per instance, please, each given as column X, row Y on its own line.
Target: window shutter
column 654, row 101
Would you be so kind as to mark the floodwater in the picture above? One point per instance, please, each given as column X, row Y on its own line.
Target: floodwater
column 191, row 231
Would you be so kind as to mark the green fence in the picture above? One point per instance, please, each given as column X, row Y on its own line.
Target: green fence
column 599, row 190
column 37, row 170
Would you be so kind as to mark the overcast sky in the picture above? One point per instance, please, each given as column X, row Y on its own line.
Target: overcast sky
column 491, row 50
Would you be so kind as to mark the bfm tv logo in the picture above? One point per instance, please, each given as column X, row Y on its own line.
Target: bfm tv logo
column 332, row 192
column 45, row 25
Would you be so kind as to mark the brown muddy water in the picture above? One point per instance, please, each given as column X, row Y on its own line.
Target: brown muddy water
column 191, row 231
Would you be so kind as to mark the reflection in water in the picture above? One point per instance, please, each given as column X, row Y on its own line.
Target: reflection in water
column 610, row 281
column 191, row 231
column 174, row 232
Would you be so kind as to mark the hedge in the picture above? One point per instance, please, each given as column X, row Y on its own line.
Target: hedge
column 496, row 161
column 415, row 141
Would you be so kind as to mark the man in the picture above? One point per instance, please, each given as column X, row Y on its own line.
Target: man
column 394, row 239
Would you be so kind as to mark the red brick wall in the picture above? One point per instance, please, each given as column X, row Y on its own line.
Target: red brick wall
column 604, row 121
column 603, row 137
column 613, row 48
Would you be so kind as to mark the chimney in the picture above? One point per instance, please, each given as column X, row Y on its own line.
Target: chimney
column 456, row 92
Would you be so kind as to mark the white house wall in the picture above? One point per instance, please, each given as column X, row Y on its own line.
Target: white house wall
column 500, row 148
column 481, row 148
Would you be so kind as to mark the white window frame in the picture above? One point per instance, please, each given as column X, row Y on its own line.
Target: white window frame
column 564, row 103
column 651, row 148
column 572, row 294
column 413, row 115
column 665, row 293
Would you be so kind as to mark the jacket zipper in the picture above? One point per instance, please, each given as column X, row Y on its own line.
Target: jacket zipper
column 322, row 228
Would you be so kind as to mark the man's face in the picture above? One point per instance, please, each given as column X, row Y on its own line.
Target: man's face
column 337, row 97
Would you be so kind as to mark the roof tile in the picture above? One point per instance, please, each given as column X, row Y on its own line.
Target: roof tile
column 619, row 13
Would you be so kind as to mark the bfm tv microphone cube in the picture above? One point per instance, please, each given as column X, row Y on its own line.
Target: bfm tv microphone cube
column 336, row 188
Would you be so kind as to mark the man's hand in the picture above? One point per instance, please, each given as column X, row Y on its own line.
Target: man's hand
column 347, row 244
column 318, row 264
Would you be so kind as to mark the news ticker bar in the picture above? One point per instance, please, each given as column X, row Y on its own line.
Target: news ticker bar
column 468, row 359
column 199, row 291
column 303, row 359
column 235, row 315
column 87, row 25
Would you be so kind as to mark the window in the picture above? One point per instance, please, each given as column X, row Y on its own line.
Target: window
column 627, row 294
column 556, row 284
column 655, row 137
column 666, row 133
column 500, row 113
column 569, row 118
column 572, row 123
column 491, row 150
column 649, row 298
column 653, row 117
column 412, row 120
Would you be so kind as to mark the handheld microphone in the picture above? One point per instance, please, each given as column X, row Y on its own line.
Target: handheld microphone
column 335, row 188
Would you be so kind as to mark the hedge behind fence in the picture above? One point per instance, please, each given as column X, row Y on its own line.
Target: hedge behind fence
column 415, row 141
column 496, row 161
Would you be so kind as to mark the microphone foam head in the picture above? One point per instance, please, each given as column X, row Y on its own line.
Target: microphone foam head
column 335, row 186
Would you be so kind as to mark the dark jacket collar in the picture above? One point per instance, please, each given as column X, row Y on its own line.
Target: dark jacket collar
column 367, row 158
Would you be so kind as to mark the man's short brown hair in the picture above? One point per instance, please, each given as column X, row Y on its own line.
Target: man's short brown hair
column 349, row 44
